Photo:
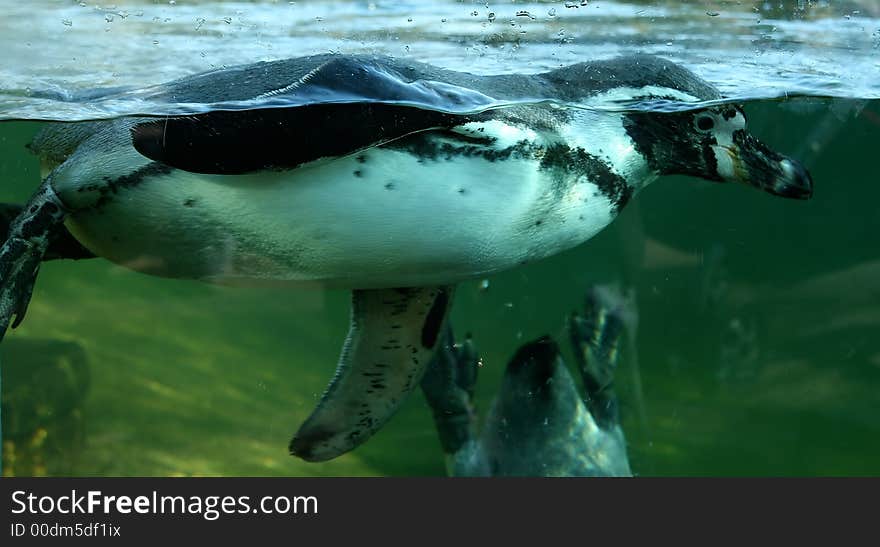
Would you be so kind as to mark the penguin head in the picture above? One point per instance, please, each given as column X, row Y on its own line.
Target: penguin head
column 537, row 388
column 714, row 144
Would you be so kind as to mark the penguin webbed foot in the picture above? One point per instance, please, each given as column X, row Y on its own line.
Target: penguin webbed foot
column 595, row 339
column 18, row 272
column 27, row 240
column 448, row 386
column 392, row 337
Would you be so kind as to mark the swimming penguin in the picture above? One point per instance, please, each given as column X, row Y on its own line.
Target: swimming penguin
column 538, row 424
column 346, row 170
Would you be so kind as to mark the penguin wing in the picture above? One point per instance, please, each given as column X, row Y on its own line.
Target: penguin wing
column 281, row 115
column 243, row 141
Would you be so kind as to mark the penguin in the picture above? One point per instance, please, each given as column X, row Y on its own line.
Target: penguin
column 388, row 177
column 538, row 424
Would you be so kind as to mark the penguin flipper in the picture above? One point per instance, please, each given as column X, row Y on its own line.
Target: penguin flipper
column 391, row 339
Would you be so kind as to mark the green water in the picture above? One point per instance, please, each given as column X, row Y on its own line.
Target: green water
column 191, row 379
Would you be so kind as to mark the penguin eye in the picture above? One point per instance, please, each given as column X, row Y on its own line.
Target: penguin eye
column 705, row 123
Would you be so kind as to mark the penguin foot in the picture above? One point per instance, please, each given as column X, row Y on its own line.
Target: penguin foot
column 595, row 338
column 448, row 386
column 19, row 264
column 20, row 256
column 391, row 339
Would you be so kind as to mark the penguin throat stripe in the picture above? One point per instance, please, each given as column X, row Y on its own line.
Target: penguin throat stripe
column 567, row 161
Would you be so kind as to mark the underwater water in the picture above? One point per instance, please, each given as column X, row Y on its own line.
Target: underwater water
column 756, row 351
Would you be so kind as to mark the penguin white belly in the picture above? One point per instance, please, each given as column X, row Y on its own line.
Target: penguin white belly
column 378, row 219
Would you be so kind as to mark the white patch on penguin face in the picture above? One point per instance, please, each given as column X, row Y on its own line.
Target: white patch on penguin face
column 724, row 161
column 721, row 123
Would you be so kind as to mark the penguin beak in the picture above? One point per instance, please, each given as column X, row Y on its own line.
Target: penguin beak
column 750, row 161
